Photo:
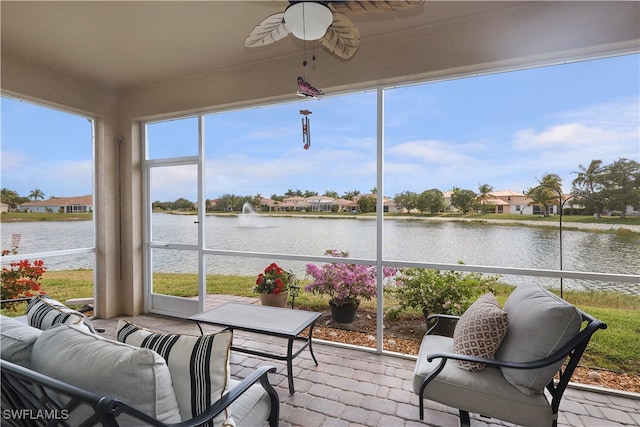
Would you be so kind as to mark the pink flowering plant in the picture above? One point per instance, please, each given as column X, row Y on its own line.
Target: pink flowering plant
column 274, row 280
column 344, row 283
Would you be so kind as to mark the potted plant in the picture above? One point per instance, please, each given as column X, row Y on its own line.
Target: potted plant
column 439, row 292
column 273, row 285
column 345, row 284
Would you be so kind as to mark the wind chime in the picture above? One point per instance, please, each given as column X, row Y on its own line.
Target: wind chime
column 306, row 90
column 306, row 129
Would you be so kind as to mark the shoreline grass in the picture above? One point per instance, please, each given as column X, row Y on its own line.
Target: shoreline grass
column 583, row 219
column 615, row 349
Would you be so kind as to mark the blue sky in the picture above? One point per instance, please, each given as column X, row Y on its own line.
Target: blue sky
column 505, row 130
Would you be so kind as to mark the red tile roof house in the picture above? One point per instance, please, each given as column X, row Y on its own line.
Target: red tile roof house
column 77, row 204
column 510, row 202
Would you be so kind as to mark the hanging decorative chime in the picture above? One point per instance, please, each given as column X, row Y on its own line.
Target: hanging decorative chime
column 306, row 129
column 306, row 90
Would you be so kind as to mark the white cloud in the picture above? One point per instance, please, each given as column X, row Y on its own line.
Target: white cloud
column 12, row 161
column 568, row 135
column 606, row 132
column 23, row 173
column 431, row 151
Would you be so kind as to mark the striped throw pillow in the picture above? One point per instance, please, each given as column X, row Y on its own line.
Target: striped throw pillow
column 44, row 312
column 199, row 366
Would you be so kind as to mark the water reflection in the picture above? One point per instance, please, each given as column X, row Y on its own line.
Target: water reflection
column 421, row 241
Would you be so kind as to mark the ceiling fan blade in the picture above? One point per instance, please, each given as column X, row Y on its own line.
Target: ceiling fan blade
column 342, row 38
column 362, row 7
column 271, row 29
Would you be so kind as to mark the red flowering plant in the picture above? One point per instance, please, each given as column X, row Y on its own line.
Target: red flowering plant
column 274, row 280
column 344, row 283
column 21, row 279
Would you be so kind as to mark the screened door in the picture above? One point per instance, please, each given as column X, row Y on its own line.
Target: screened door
column 174, row 209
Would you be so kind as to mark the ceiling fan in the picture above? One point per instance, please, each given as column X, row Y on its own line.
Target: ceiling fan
column 324, row 20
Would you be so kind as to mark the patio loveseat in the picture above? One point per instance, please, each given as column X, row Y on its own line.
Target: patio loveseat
column 512, row 363
column 66, row 374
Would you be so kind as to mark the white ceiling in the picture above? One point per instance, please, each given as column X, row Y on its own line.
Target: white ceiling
column 124, row 44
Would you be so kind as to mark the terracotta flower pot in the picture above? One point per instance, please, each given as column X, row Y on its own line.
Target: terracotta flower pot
column 274, row 300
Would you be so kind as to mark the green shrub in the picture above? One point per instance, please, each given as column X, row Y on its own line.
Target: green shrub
column 439, row 292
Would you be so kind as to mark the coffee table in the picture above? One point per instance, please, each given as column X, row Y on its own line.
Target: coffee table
column 274, row 321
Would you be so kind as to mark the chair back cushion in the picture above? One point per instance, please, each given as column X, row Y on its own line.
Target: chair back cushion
column 480, row 331
column 199, row 365
column 540, row 323
column 17, row 339
column 44, row 312
column 137, row 376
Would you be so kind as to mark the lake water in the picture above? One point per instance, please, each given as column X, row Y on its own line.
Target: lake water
column 422, row 241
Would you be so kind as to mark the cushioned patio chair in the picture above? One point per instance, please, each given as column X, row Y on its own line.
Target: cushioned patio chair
column 57, row 371
column 524, row 380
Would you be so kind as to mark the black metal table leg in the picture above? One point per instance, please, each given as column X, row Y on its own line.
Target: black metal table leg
column 290, row 365
column 311, row 343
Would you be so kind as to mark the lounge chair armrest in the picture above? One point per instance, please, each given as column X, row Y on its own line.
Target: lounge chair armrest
column 492, row 362
column 260, row 374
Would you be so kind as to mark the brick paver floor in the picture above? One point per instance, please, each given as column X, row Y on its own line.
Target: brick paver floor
column 353, row 387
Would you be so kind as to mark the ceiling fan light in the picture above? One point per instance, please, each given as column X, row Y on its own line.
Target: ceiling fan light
column 308, row 20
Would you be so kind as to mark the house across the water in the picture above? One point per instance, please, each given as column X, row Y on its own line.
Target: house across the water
column 77, row 204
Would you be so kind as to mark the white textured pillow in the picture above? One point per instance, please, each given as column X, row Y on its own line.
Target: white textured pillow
column 480, row 331
column 17, row 340
column 540, row 324
column 199, row 365
column 137, row 376
column 44, row 312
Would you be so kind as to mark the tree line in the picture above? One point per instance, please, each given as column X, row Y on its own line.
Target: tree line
column 596, row 187
column 235, row 203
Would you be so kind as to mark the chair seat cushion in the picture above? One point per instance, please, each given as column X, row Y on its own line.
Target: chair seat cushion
column 540, row 323
column 137, row 376
column 480, row 331
column 252, row 408
column 484, row 392
column 199, row 365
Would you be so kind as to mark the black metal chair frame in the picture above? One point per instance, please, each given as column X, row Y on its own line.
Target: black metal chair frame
column 572, row 351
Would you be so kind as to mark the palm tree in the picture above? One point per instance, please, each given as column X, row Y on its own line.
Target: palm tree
column 350, row 195
column 36, row 194
column 548, row 192
column 484, row 191
column 586, row 178
column 587, row 183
